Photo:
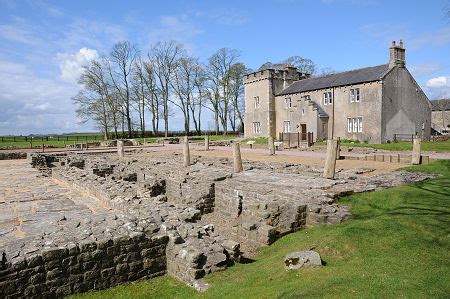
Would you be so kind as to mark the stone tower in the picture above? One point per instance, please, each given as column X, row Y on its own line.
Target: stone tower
column 260, row 90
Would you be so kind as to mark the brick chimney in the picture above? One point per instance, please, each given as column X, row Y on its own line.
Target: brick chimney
column 397, row 55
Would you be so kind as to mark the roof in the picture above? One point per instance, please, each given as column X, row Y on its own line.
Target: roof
column 440, row 105
column 367, row 74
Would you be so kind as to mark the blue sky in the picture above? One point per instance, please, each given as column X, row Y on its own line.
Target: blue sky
column 43, row 44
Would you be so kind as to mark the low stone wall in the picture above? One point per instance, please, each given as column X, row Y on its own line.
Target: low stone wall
column 58, row 272
column 13, row 156
column 390, row 158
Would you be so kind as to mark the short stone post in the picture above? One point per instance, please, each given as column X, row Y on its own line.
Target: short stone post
column 271, row 146
column 415, row 159
column 43, row 148
column 330, row 159
column 120, row 149
column 237, row 161
column 186, row 153
column 338, row 151
column 207, row 143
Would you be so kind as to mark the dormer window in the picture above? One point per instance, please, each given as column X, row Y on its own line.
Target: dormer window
column 354, row 95
column 327, row 98
column 288, row 103
column 256, row 102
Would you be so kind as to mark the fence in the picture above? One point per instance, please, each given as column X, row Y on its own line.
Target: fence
column 403, row 137
column 91, row 137
column 296, row 139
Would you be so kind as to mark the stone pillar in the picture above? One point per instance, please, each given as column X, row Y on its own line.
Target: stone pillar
column 186, row 153
column 271, row 146
column 43, row 148
column 207, row 143
column 415, row 159
column 237, row 161
column 330, row 159
column 120, row 149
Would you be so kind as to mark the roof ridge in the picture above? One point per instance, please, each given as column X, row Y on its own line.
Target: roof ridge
column 355, row 76
column 343, row 72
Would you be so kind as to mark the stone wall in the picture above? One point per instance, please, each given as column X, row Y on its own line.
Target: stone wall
column 58, row 272
column 13, row 156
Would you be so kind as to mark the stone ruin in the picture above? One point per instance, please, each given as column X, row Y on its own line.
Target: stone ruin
column 160, row 217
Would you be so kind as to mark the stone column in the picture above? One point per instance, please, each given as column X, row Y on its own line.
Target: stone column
column 271, row 146
column 120, row 149
column 186, row 153
column 207, row 143
column 415, row 159
column 237, row 161
column 330, row 159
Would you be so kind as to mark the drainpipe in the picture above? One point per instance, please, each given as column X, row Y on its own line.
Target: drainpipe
column 332, row 123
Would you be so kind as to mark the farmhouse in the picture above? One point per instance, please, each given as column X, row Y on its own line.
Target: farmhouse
column 371, row 104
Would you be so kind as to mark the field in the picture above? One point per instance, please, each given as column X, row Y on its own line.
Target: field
column 396, row 245
column 63, row 140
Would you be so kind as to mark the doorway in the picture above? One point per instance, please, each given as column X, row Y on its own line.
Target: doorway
column 303, row 131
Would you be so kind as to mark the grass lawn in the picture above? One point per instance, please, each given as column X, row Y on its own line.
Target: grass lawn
column 441, row 146
column 90, row 138
column 396, row 245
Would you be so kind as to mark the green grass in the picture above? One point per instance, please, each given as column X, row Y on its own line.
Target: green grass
column 440, row 146
column 395, row 245
column 258, row 140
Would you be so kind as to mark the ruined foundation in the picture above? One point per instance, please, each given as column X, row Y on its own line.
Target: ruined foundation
column 101, row 221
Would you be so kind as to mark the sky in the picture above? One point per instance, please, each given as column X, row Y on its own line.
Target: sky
column 44, row 44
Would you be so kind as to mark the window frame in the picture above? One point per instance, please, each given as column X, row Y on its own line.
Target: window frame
column 288, row 103
column 327, row 98
column 355, row 95
column 256, row 127
column 349, row 125
column 288, row 123
column 256, row 102
column 355, row 124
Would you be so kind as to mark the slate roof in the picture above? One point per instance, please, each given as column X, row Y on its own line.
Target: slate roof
column 367, row 74
column 439, row 105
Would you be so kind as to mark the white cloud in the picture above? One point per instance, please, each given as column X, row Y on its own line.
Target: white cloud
column 438, row 87
column 180, row 28
column 424, row 69
column 33, row 104
column 71, row 65
column 438, row 82
column 438, row 38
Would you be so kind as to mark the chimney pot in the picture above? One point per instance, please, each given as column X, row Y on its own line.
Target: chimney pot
column 401, row 43
column 393, row 43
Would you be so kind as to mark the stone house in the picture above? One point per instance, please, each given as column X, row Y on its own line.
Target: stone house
column 440, row 116
column 369, row 104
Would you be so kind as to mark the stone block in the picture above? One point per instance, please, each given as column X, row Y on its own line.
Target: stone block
column 297, row 260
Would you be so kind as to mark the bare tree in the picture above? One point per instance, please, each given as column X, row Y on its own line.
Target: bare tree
column 219, row 69
column 153, row 101
column 139, row 93
column 184, row 86
column 122, row 60
column 200, row 83
column 237, row 71
column 95, row 100
column 165, row 56
column 303, row 65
